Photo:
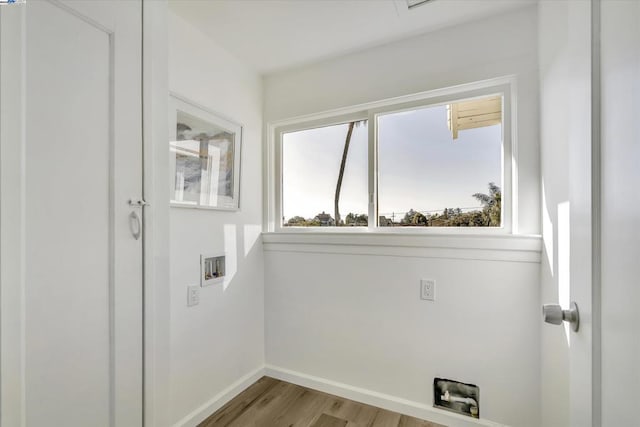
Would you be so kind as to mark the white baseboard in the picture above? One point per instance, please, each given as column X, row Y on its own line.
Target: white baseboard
column 220, row 399
column 385, row 401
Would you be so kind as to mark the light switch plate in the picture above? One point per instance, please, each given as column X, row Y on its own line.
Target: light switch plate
column 428, row 289
column 193, row 295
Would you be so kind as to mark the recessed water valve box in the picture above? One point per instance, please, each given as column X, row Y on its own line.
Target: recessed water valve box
column 212, row 269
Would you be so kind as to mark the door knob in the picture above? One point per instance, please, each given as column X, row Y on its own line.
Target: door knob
column 554, row 314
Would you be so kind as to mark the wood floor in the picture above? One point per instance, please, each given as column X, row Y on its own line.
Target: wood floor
column 274, row 403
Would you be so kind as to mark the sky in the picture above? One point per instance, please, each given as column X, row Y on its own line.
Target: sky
column 420, row 166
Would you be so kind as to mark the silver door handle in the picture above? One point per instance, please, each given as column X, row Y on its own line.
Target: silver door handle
column 135, row 225
column 554, row 314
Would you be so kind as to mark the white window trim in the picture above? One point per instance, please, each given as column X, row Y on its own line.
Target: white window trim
column 273, row 157
column 497, row 247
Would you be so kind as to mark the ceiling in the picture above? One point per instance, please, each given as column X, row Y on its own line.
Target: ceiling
column 271, row 35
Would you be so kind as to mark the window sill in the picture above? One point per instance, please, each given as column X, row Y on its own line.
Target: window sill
column 495, row 247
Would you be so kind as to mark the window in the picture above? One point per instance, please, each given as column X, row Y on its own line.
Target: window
column 433, row 163
column 324, row 176
column 431, row 176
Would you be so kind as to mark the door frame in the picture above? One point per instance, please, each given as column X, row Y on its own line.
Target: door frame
column 157, row 304
column 596, row 217
column 584, row 374
column 12, row 215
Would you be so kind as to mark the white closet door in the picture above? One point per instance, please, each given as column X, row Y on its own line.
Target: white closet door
column 83, row 264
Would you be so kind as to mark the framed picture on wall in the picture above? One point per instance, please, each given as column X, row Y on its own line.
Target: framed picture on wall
column 204, row 157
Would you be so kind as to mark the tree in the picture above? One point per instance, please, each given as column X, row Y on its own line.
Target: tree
column 414, row 218
column 356, row 220
column 343, row 163
column 297, row 221
column 408, row 217
column 491, row 205
column 419, row 219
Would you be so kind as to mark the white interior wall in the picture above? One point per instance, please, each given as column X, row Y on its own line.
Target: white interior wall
column 356, row 319
column 620, row 211
column 555, row 102
column 222, row 339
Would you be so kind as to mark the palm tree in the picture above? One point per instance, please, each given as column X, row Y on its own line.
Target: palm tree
column 343, row 163
column 492, row 204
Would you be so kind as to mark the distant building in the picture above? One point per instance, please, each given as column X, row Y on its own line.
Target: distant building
column 383, row 221
column 325, row 220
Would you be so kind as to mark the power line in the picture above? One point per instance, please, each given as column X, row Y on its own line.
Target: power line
column 465, row 209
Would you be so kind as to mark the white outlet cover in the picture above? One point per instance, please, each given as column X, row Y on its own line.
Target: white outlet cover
column 428, row 289
column 193, row 295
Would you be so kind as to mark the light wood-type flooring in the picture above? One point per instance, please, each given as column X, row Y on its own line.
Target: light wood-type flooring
column 274, row 403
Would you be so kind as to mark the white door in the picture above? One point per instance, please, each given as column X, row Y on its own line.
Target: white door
column 567, row 128
column 81, row 163
column 604, row 242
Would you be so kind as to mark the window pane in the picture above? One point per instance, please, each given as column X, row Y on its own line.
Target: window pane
column 311, row 168
column 428, row 178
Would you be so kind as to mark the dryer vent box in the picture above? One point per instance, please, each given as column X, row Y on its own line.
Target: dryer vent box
column 455, row 396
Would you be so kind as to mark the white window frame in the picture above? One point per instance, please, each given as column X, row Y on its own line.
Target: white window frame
column 505, row 86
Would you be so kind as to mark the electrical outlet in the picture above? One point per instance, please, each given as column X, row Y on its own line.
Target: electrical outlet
column 428, row 289
column 193, row 295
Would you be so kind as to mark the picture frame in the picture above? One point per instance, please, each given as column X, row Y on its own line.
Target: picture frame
column 205, row 156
